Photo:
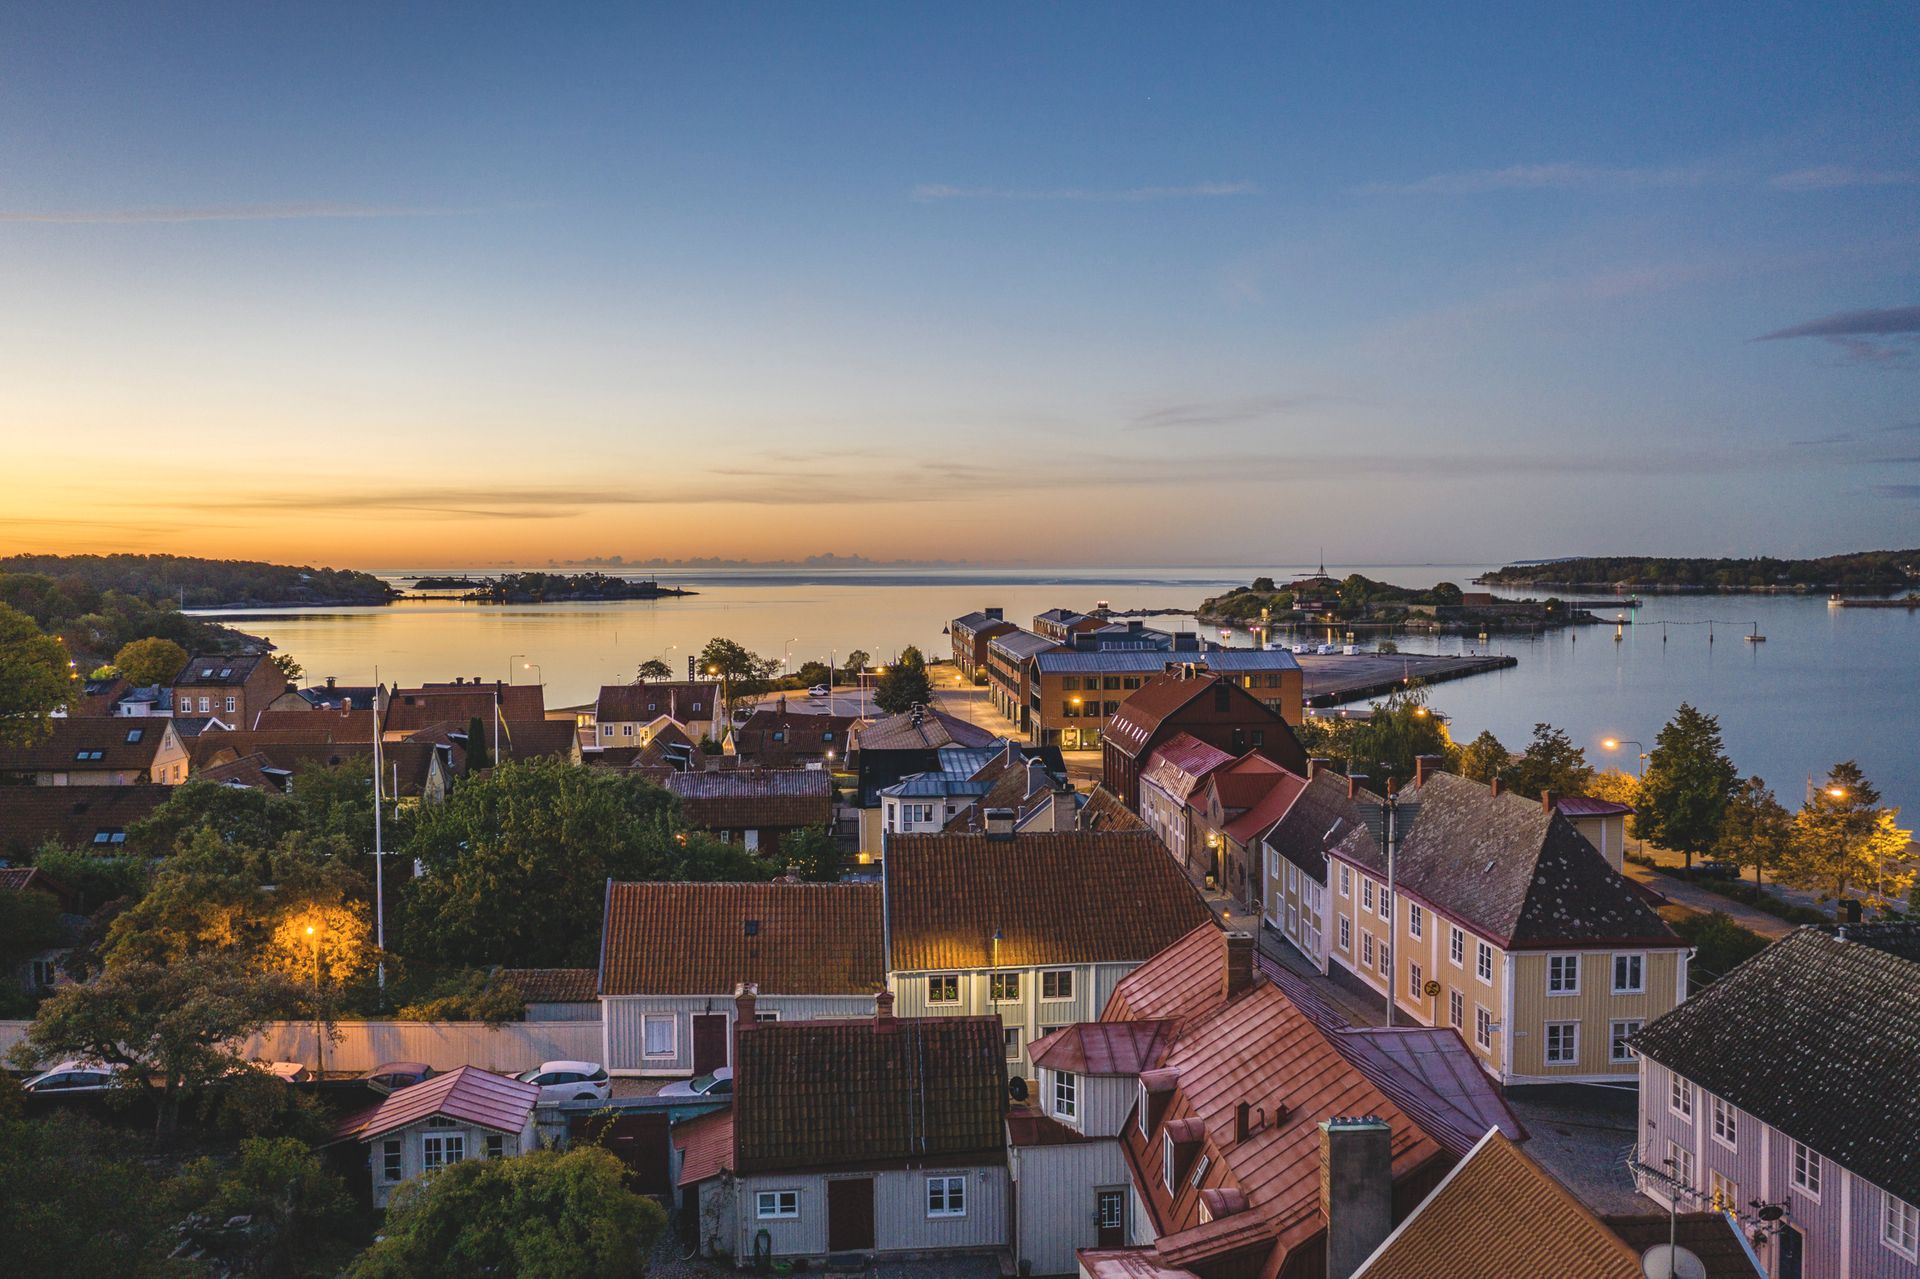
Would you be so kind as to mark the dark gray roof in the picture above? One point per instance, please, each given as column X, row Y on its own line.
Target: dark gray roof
column 1155, row 660
column 218, row 670
column 1818, row 1036
column 1319, row 818
column 1022, row 644
column 1511, row 870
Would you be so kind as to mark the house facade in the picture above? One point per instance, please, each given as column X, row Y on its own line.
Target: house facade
column 673, row 956
column 231, row 686
column 623, row 714
column 1293, row 857
column 1036, row 928
column 1510, row 928
column 1209, row 708
column 971, row 633
column 1174, row 773
column 1786, row 1090
column 100, row 750
column 1227, row 816
column 467, row 1113
column 1009, row 673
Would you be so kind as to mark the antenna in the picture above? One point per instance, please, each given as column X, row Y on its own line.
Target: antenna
column 1671, row 1261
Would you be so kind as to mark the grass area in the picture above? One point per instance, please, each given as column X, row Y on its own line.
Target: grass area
column 1740, row 891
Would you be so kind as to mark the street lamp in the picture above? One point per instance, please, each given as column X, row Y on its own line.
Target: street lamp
column 510, row 657
column 1615, row 743
column 541, row 678
column 786, row 654
column 319, row 1048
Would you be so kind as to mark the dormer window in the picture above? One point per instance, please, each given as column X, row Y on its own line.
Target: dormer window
column 135, row 734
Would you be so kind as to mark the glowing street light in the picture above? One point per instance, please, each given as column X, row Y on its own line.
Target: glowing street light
column 1615, row 743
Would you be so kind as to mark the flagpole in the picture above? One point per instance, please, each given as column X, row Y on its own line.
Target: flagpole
column 379, row 859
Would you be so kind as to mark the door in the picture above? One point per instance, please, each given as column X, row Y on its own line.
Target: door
column 1110, row 1210
column 1792, row 1245
column 709, row 1042
column 850, row 1215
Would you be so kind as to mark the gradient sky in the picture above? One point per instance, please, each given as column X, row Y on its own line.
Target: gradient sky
column 1045, row 283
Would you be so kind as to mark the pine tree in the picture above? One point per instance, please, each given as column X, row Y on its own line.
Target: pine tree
column 1688, row 784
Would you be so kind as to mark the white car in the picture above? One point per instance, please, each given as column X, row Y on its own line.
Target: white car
column 718, row 1084
column 569, row 1081
column 819, row 690
column 70, row 1077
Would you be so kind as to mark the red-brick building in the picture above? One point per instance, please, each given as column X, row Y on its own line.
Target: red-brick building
column 1214, row 709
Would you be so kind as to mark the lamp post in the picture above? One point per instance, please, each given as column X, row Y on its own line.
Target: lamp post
column 786, row 654
column 510, row 657
column 319, row 1037
column 541, row 678
column 1615, row 743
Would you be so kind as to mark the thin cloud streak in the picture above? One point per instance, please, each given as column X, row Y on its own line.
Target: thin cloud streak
column 1884, row 337
column 219, row 213
column 1563, row 176
column 1252, row 408
column 935, row 192
column 1828, row 177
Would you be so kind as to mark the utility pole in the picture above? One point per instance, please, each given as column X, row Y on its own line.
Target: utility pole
column 379, row 868
column 1390, row 838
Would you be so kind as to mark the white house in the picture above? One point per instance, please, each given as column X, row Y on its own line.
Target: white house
column 468, row 1113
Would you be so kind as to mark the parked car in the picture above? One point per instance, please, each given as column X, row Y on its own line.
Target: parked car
column 1715, row 870
column 392, row 1076
column 72, row 1077
column 718, row 1084
column 289, row 1072
column 819, row 690
column 569, row 1081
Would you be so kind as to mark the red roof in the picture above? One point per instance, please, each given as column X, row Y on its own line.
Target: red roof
column 469, row 1094
column 1103, row 1048
column 1587, row 806
column 1182, row 763
column 707, row 938
column 705, row 1145
column 1127, row 1263
column 1141, row 715
column 1028, row 1127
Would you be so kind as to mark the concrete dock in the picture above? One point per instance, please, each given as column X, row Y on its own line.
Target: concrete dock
column 1335, row 678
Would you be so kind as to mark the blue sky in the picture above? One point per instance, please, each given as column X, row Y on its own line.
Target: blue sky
column 1090, row 284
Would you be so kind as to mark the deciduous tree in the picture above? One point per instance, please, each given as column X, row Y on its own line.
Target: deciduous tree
column 150, row 661
column 35, row 679
column 743, row 674
column 1484, row 758
column 1688, row 783
column 1551, row 762
column 654, row 669
column 1844, row 842
column 1756, row 829
column 1402, row 728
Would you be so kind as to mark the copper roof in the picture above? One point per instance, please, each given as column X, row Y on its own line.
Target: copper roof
column 1066, row 897
column 1499, row 1215
column 1179, row 764
column 554, row 985
column 1127, row 1263
column 820, row 1094
column 705, row 939
column 1103, row 1047
column 1028, row 1127
column 469, row 1094
column 705, row 1145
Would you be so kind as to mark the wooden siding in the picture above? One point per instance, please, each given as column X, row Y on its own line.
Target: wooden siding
column 1101, row 1102
column 900, row 1221
column 1054, row 1189
column 1595, row 1008
column 1030, row 1014
column 412, row 1158
column 625, row 1031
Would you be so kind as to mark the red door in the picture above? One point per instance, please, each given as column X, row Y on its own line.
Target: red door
column 709, row 1042
column 850, row 1215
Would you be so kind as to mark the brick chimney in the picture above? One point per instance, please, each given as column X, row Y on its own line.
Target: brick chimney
column 999, row 823
column 1317, row 766
column 1356, row 1189
column 1238, row 974
column 1425, row 766
column 745, row 995
column 1546, row 802
column 1356, row 782
column 1493, row 787
column 883, row 1018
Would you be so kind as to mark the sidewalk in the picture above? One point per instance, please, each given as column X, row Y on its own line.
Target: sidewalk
column 1694, row 897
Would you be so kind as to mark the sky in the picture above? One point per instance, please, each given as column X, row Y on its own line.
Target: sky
column 376, row 285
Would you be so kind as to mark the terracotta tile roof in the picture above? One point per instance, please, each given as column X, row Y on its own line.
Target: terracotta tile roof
column 1510, row 871
column 754, row 797
column 469, row 1094
column 413, row 759
column 775, row 737
column 1707, row 1235
column 1819, row 1036
column 18, row 879
column 1104, row 1047
column 217, row 670
column 1318, row 819
column 537, row 738
column 316, row 725
column 1104, row 811
column 1499, row 1215
column 821, row 1094
column 123, row 742
column 414, row 708
column 1068, row 897
column 934, row 729
column 255, row 772
column 555, row 985
column 71, row 816
column 517, row 701
column 644, row 703
column 705, row 939
column 705, row 1145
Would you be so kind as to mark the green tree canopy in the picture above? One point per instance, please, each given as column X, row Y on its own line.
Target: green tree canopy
column 541, row 1215
column 150, row 661
column 654, row 669
column 1484, row 758
column 1551, row 762
column 1689, row 780
column 1386, row 744
column 1844, row 843
column 743, row 674
column 904, row 684
column 812, row 855
column 35, row 679
column 296, row 1203
column 1756, row 829
column 79, row 1203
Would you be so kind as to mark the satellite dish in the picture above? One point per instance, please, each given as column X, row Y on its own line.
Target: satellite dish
column 1017, row 1089
column 1669, row 1261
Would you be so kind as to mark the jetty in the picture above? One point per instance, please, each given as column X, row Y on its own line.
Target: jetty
column 1332, row 679
column 1905, row 601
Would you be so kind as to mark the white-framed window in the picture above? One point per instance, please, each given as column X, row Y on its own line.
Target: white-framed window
column 1483, row 962
column 439, row 1150
column 1681, row 1163
column 1346, row 933
column 946, row 1196
column 658, row 1034
column 1456, row 1009
column 1563, row 974
column 1366, row 949
column 1629, row 974
column 1056, row 983
column 1066, row 1093
column 1140, row 1111
column 777, row 1205
column 1482, row 1026
column 1806, row 1170
column 1726, row 1124
column 1724, row 1193
column 1617, row 1036
column 230, row 706
column 390, row 1168
column 767, row 1014
column 1900, row 1227
column 1414, row 976
column 1456, row 945
column 1010, row 1035
column 1199, row 1173
column 1563, row 1043
column 1003, row 988
column 1680, row 1096
column 1386, row 903
column 1346, row 881
column 1386, row 957
column 1416, row 920
column 1366, row 893
column 1166, row 1161
column 205, row 706
column 943, row 988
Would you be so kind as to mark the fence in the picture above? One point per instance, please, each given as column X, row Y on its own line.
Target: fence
column 362, row 1045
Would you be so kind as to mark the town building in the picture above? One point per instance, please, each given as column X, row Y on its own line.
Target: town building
column 887, row 749
column 1035, row 927
column 1009, row 671
column 971, row 633
column 1785, row 1092
column 232, row 686
column 1227, row 815
column 1173, row 773
column 1507, row 926
column 92, row 818
column 36, row 974
column 1216, row 709
column 756, row 807
column 102, row 750
column 1601, row 822
column 1073, row 692
column 672, row 956
column 625, row 714
column 557, row 994
column 464, row 1114
column 777, row 736
column 1062, row 624
column 1294, row 856
column 880, row 1136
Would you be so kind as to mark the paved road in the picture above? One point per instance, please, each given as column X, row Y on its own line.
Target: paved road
column 1682, row 893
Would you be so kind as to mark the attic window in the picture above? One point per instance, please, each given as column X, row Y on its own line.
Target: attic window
column 753, row 927
column 110, row 835
column 89, row 754
column 225, row 671
column 134, row 734
column 206, row 672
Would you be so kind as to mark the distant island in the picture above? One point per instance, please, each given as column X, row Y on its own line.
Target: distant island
column 549, row 588
column 1867, row 572
column 1360, row 601
column 828, row 560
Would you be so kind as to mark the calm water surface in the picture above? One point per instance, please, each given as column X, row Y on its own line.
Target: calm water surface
column 1828, row 684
